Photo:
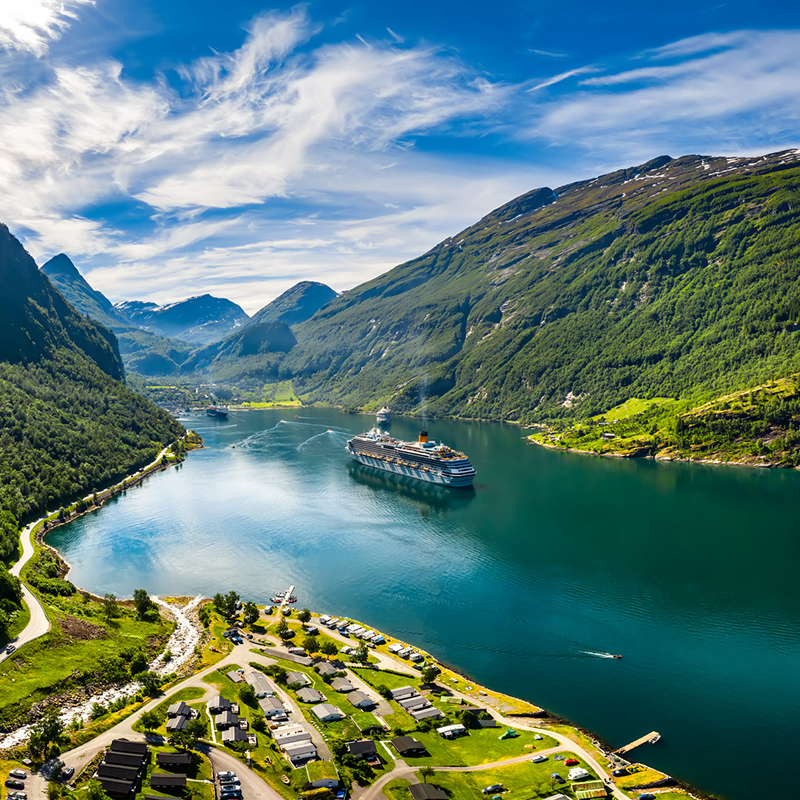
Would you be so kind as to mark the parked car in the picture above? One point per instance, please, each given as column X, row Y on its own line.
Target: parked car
column 647, row 796
column 13, row 783
column 495, row 787
column 539, row 759
column 231, row 794
column 223, row 776
column 17, row 796
column 67, row 773
column 618, row 773
column 10, row 648
column 557, row 778
column 572, row 762
column 18, row 773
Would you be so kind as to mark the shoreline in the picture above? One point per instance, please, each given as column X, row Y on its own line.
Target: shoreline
column 39, row 532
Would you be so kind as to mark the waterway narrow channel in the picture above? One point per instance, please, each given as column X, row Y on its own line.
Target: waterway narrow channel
column 524, row 583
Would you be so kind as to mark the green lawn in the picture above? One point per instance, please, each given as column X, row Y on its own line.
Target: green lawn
column 522, row 781
column 18, row 622
column 79, row 645
column 397, row 790
column 482, row 746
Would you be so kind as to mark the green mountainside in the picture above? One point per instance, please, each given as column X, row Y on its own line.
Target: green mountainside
column 68, row 424
column 63, row 274
column 675, row 278
column 296, row 304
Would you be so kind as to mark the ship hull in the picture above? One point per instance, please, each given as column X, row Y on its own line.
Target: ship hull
column 429, row 476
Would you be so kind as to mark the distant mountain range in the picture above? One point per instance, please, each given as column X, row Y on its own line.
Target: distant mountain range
column 159, row 340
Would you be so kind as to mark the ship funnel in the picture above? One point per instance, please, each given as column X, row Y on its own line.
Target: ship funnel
column 423, row 436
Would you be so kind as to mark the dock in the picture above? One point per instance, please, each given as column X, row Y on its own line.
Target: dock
column 642, row 740
column 285, row 600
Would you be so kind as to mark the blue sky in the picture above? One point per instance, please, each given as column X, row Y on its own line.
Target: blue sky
column 173, row 148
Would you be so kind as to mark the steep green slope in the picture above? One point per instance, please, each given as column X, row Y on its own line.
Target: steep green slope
column 676, row 277
column 63, row 274
column 296, row 304
column 150, row 354
column 68, row 424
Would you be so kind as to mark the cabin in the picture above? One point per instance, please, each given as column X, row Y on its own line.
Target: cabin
column 451, row 731
column 365, row 749
column 427, row 713
column 325, row 712
column 174, row 760
column 406, row 746
column 233, row 735
column 403, row 692
column 342, row 685
column 326, row 668
column 235, row 676
column 308, row 695
column 289, row 734
column 426, row 791
column 219, row 704
column 360, row 700
column 414, row 702
column 179, row 710
column 177, row 724
column 259, row 683
column 129, row 774
column 272, row 707
column 293, row 678
column 126, row 746
column 116, row 788
column 167, row 782
column 322, row 775
column 300, row 751
column 227, row 719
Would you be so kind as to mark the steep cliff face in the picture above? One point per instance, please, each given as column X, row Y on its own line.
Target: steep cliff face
column 36, row 320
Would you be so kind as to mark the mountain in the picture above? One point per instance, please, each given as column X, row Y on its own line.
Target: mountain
column 63, row 274
column 152, row 355
column 251, row 356
column 68, row 424
column 295, row 305
column 199, row 320
column 672, row 278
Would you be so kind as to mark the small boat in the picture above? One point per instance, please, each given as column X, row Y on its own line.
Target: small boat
column 656, row 738
column 383, row 416
column 617, row 656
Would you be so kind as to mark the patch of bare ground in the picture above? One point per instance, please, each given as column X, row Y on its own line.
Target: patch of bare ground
column 80, row 629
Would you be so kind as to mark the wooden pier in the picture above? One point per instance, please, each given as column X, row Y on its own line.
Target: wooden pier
column 637, row 743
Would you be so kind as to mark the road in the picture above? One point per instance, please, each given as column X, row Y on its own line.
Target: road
column 253, row 786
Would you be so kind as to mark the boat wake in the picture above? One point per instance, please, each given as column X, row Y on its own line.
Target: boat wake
column 599, row 654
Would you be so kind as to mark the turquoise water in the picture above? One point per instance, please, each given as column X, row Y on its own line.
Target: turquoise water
column 689, row 571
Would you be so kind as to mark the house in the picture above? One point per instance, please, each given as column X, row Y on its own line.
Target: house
column 177, row 724
column 300, row 751
column 322, row 775
column 413, row 703
column 218, row 704
column 402, row 692
column 179, row 710
column 427, row 713
column 364, row 749
column 233, row 735
column 326, row 712
column 426, row 791
column 116, row 788
column 289, row 734
column 326, row 668
column 124, row 759
column 235, row 676
column 126, row 746
column 174, row 760
column 342, row 685
column 308, row 695
column 293, row 678
column 227, row 719
column 360, row 700
column 366, row 722
column 451, row 731
column 129, row 774
column 168, row 782
column 259, row 683
column 406, row 746
column 272, row 707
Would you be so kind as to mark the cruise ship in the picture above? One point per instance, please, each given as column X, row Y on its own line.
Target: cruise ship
column 424, row 460
column 217, row 411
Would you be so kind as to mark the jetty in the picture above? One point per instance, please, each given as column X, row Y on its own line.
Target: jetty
column 640, row 741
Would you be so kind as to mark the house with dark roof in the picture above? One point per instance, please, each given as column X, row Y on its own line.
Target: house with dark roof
column 219, row 704
column 127, row 746
column 232, row 735
column 414, row 702
column 179, row 710
column 174, row 760
column 129, row 774
column 407, row 746
column 160, row 780
column 177, row 724
column 364, row 749
column 427, row 713
column 124, row 759
column 116, row 788
column 426, row 791
column 227, row 719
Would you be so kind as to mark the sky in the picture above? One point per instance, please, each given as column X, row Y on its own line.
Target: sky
column 175, row 148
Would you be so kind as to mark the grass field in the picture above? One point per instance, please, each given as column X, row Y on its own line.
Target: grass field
column 18, row 622
column 481, row 746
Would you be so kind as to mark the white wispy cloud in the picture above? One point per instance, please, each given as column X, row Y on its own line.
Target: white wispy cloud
column 31, row 25
column 562, row 76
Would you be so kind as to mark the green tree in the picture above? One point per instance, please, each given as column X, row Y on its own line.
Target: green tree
column 142, row 602
column 328, row 648
column 46, row 733
column 361, row 654
column 111, row 608
column 251, row 613
column 283, row 630
column 426, row 773
column 150, row 682
column 310, row 644
column 247, row 695
column 429, row 673
column 94, row 791
column 219, row 603
column 231, row 601
column 304, row 615
column 150, row 720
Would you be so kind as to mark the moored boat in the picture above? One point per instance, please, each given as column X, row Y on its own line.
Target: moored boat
column 384, row 416
column 214, row 410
